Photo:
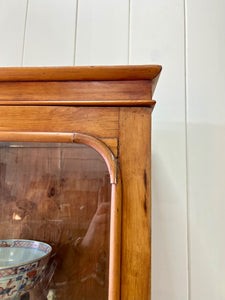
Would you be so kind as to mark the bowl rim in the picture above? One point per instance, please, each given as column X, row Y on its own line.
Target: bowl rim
column 27, row 262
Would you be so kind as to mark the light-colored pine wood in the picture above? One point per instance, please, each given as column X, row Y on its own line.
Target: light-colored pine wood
column 79, row 91
column 50, row 32
column 134, row 157
column 113, row 145
column 100, row 122
column 134, row 102
column 24, row 86
column 45, row 137
column 93, row 73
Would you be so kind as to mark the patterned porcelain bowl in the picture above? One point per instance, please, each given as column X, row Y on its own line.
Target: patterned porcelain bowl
column 22, row 263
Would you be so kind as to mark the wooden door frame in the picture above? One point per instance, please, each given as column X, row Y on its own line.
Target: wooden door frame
column 112, row 165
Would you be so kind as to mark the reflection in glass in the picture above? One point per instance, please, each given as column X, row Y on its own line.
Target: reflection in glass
column 60, row 194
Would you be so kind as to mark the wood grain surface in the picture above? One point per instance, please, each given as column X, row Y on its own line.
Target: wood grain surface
column 134, row 157
column 92, row 73
column 102, row 93
column 99, row 122
column 74, row 90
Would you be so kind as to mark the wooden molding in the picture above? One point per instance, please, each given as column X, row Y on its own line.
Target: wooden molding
column 66, row 137
column 147, row 103
column 93, row 86
column 111, row 162
column 102, row 149
column 86, row 93
column 80, row 73
column 115, row 241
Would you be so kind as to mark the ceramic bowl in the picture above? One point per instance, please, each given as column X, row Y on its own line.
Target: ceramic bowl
column 22, row 264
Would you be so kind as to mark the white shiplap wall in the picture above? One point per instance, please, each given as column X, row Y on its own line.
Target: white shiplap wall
column 187, row 38
column 102, row 32
column 12, row 28
column 206, row 147
column 50, row 33
column 157, row 36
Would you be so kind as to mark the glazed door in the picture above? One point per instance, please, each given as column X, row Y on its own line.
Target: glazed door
column 61, row 192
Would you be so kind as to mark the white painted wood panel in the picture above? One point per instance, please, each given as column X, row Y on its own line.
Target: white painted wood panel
column 157, row 37
column 50, row 33
column 12, row 23
column 102, row 32
column 206, row 147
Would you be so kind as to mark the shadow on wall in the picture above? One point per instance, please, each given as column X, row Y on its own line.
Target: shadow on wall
column 206, row 205
column 169, row 233
column 206, row 166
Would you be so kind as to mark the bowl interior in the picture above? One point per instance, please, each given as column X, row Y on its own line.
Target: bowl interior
column 16, row 256
column 18, row 252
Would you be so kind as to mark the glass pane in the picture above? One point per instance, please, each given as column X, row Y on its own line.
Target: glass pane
column 59, row 194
